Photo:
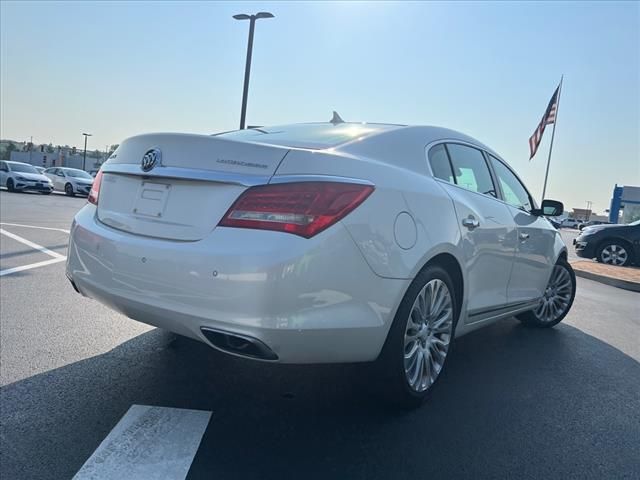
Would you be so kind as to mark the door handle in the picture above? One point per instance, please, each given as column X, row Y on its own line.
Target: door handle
column 523, row 236
column 470, row 222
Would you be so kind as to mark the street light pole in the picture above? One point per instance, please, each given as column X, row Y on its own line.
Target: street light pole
column 247, row 69
column 84, row 156
column 588, row 212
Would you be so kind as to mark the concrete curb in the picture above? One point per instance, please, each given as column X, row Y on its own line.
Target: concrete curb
column 614, row 282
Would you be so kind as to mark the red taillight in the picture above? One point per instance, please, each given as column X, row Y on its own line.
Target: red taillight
column 304, row 208
column 95, row 189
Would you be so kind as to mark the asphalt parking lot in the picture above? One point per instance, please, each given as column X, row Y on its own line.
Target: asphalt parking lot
column 513, row 402
column 568, row 234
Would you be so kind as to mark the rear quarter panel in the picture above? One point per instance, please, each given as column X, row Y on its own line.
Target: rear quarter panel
column 407, row 220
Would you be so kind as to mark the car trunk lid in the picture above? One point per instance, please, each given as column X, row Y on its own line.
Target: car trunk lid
column 187, row 184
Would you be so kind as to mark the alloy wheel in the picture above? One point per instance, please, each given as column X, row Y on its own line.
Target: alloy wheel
column 428, row 335
column 614, row 255
column 557, row 296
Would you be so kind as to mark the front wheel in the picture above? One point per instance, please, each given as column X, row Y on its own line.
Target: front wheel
column 419, row 341
column 557, row 299
column 614, row 253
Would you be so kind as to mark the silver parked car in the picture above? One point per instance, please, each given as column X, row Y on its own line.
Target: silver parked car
column 322, row 242
column 71, row 181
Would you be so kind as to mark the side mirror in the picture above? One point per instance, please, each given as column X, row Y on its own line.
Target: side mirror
column 550, row 208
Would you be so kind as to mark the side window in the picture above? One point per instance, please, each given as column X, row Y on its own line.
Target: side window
column 439, row 161
column 470, row 169
column 3, row 167
column 60, row 172
column 514, row 192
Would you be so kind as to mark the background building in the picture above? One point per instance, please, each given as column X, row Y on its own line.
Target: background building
column 625, row 199
column 584, row 215
column 60, row 157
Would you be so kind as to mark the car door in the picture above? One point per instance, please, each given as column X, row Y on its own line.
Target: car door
column 488, row 233
column 50, row 174
column 53, row 176
column 4, row 170
column 534, row 258
column 59, row 179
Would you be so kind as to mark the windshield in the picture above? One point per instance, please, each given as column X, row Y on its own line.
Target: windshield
column 308, row 135
column 72, row 172
column 22, row 167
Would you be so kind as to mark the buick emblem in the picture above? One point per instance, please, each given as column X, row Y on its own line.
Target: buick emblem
column 150, row 159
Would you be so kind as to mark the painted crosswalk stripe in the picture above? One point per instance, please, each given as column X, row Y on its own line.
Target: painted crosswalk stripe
column 148, row 442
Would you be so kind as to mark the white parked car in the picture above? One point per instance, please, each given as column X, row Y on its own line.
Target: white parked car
column 321, row 243
column 71, row 181
column 22, row 177
column 570, row 223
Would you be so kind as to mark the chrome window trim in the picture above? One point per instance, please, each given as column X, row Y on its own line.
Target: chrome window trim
column 466, row 144
column 531, row 199
column 430, row 145
column 318, row 178
column 487, row 152
column 243, row 179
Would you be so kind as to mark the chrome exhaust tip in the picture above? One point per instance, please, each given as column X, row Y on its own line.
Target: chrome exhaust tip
column 242, row 345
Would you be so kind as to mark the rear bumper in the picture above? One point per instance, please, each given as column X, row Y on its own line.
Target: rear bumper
column 307, row 300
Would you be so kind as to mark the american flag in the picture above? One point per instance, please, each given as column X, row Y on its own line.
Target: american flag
column 548, row 118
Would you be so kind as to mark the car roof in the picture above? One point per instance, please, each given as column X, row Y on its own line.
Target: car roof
column 345, row 133
column 311, row 135
column 395, row 144
column 17, row 163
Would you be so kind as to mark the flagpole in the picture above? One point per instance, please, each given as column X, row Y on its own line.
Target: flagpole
column 553, row 134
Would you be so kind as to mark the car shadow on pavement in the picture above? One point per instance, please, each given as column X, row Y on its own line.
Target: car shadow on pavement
column 513, row 402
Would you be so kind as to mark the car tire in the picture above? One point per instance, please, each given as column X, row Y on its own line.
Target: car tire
column 557, row 300
column 614, row 252
column 10, row 185
column 433, row 345
column 68, row 190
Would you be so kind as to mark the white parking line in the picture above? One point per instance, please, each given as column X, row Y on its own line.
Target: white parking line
column 44, row 263
column 56, row 256
column 148, row 442
column 31, row 244
column 33, row 226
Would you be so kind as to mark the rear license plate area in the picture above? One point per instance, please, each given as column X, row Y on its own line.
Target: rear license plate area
column 151, row 199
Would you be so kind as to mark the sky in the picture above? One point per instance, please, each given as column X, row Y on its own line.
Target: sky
column 488, row 69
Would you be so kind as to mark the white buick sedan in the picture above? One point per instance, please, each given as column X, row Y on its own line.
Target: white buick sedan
column 321, row 242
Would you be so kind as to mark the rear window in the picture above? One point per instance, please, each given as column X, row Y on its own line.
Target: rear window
column 308, row 135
